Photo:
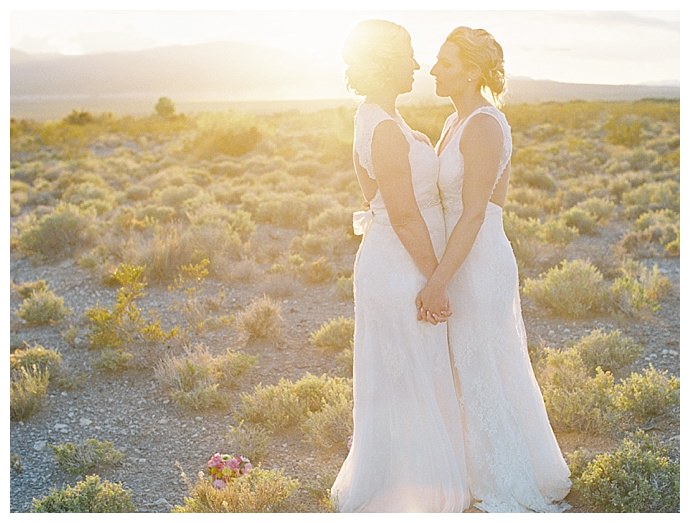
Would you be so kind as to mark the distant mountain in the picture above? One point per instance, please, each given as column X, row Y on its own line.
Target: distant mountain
column 229, row 71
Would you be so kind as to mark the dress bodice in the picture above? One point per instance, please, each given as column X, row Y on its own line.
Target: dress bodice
column 422, row 157
column 451, row 161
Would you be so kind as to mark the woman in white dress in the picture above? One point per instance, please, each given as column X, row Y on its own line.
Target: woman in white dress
column 407, row 452
column 513, row 459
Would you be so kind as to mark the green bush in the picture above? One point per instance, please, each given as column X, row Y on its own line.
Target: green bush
column 611, row 351
column 259, row 491
column 584, row 221
column 332, row 424
column 89, row 495
column 250, row 441
column 575, row 288
column 336, row 334
column 638, row 476
column 288, row 404
column 261, row 319
column 43, row 307
column 86, row 457
column 575, row 400
column 44, row 360
column 647, row 395
column 557, row 231
column 61, row 233
column 638, row 289
column 199, row 380
column 28, row 388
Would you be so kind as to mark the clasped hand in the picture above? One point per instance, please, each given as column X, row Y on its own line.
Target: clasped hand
column 433, row 305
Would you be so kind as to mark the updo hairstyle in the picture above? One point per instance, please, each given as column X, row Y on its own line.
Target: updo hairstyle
column 479, row 48
column 369, row 50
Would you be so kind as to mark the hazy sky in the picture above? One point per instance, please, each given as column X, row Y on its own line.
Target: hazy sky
column 583, row 43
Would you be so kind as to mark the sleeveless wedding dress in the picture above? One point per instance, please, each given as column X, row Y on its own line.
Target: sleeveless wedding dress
column 407, row 452
column 513, row 460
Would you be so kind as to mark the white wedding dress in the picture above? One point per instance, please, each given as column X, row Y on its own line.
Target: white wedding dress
column 513, row 460
column 407, row 451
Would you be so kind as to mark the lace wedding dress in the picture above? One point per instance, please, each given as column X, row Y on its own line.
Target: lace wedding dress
column 514, row 463
column 407, row 451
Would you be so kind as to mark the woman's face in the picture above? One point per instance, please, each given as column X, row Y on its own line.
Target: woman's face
column 450, row 73
column 402, row 69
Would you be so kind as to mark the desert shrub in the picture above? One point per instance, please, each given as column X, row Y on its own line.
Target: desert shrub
column 43, row 307
column 522, row 234
column 600, row 208
column 259, row 491
column 576, row 400
column 38, row 357
column 344, row 287
column 336, row 334
column 58, row 234
column 638, row 289
column 609, row 350
column 320, row 270
column 647, row 395
column 624, row 130
column 288, row 403
column 224, row 140
column 261, row 319
column 199, row 380
column 175, row 196
column 584, row 221
column 162, row 253
column 279, row 285
column 156, row 214
column 89, row 495
column 86, row 457
column 345, row 360
column 113, row 360
column 137, row 192
column 26, row 289
column 533, row 176
column 288, row 209
column 332, row 424
column 652, row 232
column 575, row 288
column 638, row 476
column 557, row 230
column 124, row 325
column 249, row 440
column 28, row 388
column 652, row 196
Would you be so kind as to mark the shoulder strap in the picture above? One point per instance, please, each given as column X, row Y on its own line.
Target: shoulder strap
column 368, row 117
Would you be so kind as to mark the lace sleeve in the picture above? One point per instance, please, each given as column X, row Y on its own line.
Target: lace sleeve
column 368, row 117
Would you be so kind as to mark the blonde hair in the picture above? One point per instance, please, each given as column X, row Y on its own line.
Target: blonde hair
column 368, row 52
column 479, row 48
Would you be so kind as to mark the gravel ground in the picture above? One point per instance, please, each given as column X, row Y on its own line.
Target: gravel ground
column 159, row 440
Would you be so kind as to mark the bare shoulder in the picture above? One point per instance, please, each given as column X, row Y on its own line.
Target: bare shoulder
column 388, row 140
column 483, row 127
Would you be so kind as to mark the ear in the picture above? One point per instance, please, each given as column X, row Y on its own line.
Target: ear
column 474, row 72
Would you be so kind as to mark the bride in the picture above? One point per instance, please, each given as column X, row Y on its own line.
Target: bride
column 407, row 452
column 514, row 463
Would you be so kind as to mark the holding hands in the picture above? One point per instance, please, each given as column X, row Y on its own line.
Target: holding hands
column 433, row 304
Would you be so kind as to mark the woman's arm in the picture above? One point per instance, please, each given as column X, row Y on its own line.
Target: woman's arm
column 480, row 147
column 389, row 153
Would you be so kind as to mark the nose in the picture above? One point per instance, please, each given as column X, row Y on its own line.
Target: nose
column 433, row 70
column 416, row 64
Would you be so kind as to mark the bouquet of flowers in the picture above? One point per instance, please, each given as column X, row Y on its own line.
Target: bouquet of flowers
column 224, row 467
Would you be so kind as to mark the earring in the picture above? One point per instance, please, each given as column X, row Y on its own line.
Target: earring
column 470, row 80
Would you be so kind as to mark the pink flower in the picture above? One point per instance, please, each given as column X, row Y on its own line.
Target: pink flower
column 234, row 464
column 247, row 468
column 219, row 483
column 216, row 461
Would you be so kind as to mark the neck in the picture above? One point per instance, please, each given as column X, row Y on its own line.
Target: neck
column 384, row 100
column 465, row 104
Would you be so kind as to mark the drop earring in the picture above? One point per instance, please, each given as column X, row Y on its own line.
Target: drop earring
column 469, row 80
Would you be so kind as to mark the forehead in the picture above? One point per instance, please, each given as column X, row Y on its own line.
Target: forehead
column 449, row 51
